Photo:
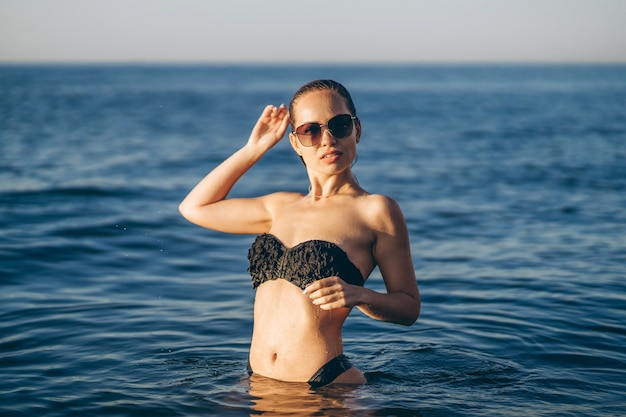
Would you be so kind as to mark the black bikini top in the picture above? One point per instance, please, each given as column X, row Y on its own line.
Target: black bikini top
column 301, row 265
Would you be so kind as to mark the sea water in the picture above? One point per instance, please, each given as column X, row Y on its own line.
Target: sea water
column 512, row 180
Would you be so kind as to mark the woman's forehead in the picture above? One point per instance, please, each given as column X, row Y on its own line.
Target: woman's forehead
column 319, row 105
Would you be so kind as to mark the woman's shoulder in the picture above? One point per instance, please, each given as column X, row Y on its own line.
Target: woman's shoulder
column 382, row 211
column 284, row 196
column 282, row 199
column 381, row 203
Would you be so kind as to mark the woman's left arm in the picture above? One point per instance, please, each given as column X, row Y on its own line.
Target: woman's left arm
column 391, row 251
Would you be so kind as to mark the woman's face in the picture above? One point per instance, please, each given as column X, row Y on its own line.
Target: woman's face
column 330, row 154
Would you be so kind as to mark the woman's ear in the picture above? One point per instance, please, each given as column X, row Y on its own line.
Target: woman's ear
column 295, row 144
column 357, row 123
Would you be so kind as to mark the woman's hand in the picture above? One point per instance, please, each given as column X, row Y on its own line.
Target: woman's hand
column 270, row 128
column 332, row 292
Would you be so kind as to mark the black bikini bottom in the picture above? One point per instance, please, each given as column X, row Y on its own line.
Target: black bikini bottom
column 327, row 373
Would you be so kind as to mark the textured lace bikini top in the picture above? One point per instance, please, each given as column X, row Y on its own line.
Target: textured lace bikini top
column 301, row 265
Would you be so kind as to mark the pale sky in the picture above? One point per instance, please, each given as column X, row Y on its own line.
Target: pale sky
column 322, row 31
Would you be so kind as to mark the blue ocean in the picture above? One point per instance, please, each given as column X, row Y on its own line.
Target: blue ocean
column 512, row 179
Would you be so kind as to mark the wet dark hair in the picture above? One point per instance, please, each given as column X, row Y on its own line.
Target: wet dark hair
column 321, row 85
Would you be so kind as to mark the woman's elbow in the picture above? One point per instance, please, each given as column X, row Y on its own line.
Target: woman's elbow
column 187, row 211
column 412, row 313
column 182, row 209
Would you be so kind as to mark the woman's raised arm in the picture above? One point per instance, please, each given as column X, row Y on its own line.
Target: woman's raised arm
column 206, row 205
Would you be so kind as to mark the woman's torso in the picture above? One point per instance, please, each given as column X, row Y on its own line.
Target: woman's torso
column 292, row 337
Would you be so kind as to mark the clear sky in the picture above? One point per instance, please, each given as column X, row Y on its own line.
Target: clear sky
column 292, row 31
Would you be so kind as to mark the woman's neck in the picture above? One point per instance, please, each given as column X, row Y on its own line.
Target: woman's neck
column 333, row 186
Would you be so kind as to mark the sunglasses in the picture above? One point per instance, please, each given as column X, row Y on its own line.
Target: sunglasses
column 340, row 126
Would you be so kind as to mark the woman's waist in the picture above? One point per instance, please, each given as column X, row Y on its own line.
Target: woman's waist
column 292, row 359
column 295, row 328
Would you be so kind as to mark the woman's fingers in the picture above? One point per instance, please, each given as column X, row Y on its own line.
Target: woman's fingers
column 328, row 293
column 271, row 126
column 276, row 118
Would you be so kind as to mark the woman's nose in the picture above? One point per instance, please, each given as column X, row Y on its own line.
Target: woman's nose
column 327, row 137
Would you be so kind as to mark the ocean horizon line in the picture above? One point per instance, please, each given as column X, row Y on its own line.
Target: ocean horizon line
column 300, row 64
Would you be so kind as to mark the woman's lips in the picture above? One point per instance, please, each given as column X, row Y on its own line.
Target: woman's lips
column 331, row 156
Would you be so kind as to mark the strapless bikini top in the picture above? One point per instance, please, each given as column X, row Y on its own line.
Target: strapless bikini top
column 301, row 265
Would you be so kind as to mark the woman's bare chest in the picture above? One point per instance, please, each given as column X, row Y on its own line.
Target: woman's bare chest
column 337, row 224
column 341, row 225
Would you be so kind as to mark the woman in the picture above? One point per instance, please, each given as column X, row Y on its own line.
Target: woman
column 313, row 252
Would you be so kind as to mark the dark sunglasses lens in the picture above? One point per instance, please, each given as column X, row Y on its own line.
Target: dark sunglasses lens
column 308, row 133
column 340, row 126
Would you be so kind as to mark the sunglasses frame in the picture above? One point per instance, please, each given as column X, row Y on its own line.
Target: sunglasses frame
column 321, row 126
